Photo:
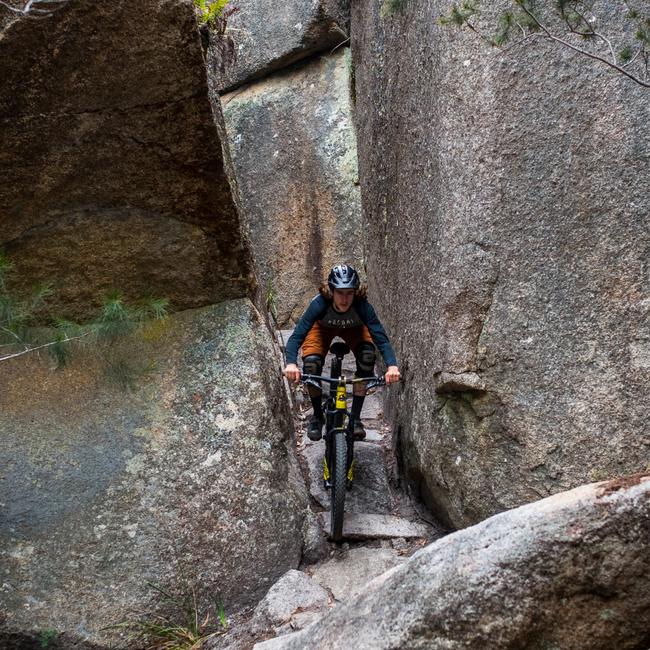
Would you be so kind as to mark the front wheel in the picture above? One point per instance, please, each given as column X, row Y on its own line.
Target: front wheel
column 339, row 481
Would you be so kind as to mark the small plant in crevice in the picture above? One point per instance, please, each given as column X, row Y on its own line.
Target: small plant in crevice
column 46, row 637
column 213, row 19
column 187, row 628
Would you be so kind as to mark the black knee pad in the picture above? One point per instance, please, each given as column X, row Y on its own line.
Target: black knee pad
column 365, row 356
column 312, row 364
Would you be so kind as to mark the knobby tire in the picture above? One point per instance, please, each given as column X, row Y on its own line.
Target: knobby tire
column 339, row 481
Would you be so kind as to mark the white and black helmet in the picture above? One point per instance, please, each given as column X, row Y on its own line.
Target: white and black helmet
column 343, row 276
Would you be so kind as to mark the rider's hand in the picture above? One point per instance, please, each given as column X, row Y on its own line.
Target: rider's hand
column 292, row 372
column 392, row 374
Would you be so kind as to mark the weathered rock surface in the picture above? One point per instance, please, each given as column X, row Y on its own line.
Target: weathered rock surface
column 269, row 37
column 361, row 525
column 287, row 601
column 112, row 170
column 571, row 571
column 294, row 152
column 508, row 233
column 186, row 482
column 370, row 493
column 347, row 575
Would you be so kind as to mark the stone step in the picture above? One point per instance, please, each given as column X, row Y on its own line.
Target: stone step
column 293, row 602
column 370, row 492
column 346, row 574
column 359, row 526
column 374, row 435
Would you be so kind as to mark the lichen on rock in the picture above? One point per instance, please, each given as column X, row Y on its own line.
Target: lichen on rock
column 187, row 483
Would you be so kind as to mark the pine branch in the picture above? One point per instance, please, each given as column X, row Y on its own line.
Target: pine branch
column 579, row 50
column 578, row 19
column 6, row 357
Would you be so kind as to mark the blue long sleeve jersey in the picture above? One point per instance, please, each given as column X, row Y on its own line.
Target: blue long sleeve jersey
column 317, row 309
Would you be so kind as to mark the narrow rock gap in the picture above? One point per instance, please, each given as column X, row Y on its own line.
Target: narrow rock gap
column 382, row 528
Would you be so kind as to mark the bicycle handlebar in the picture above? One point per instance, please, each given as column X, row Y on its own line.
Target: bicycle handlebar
column 313, row 379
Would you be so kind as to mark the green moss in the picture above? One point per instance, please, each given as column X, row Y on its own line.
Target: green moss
column 46, row 637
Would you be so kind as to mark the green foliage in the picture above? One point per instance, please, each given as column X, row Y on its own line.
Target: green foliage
column 575, row 24
column 459, row 14
column 270, row 301
column 625, row 55
column 221, row 615
column 211, row 12
column 391, row 7
column 16, row 314
column 186, row 629
column 213, row 19
column 116, row 319
column 46, row 637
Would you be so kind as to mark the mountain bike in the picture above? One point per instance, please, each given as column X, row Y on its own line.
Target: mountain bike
column 338, row 463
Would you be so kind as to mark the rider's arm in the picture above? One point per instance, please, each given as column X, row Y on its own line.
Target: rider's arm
column 392, row 374
column 315, row 311
column 292, row 372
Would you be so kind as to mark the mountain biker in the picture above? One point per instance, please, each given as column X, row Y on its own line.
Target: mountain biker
column 340, row 309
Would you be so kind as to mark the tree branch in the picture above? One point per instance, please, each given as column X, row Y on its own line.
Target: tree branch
column 8, row 6
column 586, row 53
column 34, row 7
column 4, row 329
column 67, row 339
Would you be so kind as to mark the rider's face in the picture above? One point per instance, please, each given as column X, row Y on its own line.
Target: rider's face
column 343, row 299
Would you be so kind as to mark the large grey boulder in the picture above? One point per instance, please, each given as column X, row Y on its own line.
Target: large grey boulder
column 293, row 601
column 187, row 482
column 269, row 36
column 294, row 151
column 111, row 165
column 571, row 571
column 508, row 233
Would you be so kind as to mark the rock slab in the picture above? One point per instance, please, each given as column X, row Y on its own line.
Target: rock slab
column 269, row 37
column 571, row 571
column 284, row 605
column 186, row 482
column 293, row 147
column 347, row 575
column 112, row 166
column 509, row 188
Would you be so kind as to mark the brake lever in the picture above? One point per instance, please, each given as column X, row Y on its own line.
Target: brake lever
column 375, row 383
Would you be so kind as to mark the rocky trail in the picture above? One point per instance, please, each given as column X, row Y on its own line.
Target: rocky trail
column 382, row 528
column 376, row 509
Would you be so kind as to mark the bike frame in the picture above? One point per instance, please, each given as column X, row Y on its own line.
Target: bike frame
column 337, row 416
column 338, row 464
column 337, row 419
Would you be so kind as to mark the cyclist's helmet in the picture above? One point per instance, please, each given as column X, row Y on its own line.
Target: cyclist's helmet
column 343, row 276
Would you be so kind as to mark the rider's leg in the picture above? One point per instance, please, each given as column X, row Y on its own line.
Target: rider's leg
column 312, row 364
column 314, row 349
column 366, row 357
